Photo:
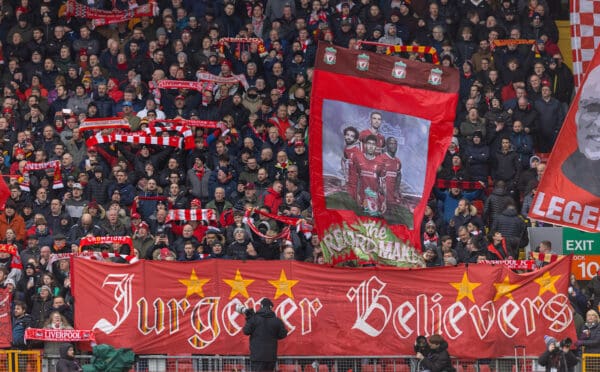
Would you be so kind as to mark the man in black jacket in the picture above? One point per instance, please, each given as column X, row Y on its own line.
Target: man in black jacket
column 264, row 329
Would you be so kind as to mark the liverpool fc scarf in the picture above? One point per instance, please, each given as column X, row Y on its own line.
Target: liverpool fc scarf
column 233, row 79
column 55, row 164
column 140, row 139
column 59, row 335
column 262, row 51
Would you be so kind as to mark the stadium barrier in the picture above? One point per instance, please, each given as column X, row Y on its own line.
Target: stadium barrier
column 405, row 363
column 20, row 361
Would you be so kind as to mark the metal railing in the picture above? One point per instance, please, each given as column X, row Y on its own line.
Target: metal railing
column 407, row 363
column 20, row 361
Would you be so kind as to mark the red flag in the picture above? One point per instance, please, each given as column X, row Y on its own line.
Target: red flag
column 172, row 308
column 4, row 192
column 379, row 128
column 569, row 191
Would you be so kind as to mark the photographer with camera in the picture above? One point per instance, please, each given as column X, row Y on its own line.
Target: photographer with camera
column 558, row 356
column 265, row 330
column 433, row 355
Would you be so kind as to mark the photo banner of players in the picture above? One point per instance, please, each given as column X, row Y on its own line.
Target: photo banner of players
column 569, row 191
column 160, row 307
column 379, row 128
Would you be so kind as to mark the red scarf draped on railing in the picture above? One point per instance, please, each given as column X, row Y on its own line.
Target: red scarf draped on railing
column 54, row 164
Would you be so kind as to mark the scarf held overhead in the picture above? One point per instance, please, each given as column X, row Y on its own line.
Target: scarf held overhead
column 55, row 165
column 101, row 17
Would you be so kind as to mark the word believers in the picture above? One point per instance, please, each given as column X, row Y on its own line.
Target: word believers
column 155, row 306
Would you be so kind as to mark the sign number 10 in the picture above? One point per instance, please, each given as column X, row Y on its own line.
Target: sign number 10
column 588, row 269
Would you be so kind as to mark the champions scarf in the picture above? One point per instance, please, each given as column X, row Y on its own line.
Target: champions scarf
column 101, row 17
column 262, row 51
column 139, row 139
column 181, row 84
column 233, row 79
column 528, row 265
column 191, row 215
column 104, row 123
column 55, row 164
column 60, row 335
column 93, row 240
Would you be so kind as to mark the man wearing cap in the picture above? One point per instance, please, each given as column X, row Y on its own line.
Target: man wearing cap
column 142, row 240
column 75, row 202
column 265, row 330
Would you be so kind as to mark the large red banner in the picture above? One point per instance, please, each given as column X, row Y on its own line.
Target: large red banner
column 569, row 191
column 379, row 128
column 164, row 307
column 5, row 318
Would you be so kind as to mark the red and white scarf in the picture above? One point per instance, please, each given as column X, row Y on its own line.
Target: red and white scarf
column 185, row 131
column 302, row 226
column 104, row 123
column 233, row 79
column 90, row 255
column 54, row 164
column 139, row 138
column 181, row 84
column 191, row 215
column 189, row 123
column 102, row 17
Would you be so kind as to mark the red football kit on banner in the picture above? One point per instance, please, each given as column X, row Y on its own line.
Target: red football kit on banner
column 173, row 308
column 402, row 113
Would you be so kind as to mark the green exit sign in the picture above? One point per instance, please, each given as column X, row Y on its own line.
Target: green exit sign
column 579, row 242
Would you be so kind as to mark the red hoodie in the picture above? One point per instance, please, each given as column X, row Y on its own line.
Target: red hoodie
column 273, row 200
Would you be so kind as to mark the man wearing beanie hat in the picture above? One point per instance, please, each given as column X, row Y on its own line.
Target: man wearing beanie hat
column 558, row 356
column 477, row 157
column 265, row 330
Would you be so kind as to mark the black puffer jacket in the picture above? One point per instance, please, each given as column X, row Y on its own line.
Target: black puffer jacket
column 438, row 360
column 590, row 338
column 264, row 329
column 509, row 224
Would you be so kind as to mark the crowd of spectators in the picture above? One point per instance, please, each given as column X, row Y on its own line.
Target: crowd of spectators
column 58, row 71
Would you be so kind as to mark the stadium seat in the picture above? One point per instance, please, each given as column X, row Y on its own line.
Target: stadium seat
column 289, row 368
column 477, row 203
column 322, row 368
column 484, row 368
column 370, row 368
